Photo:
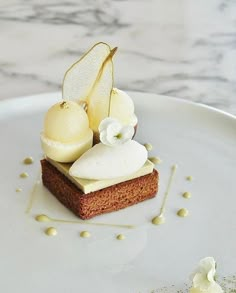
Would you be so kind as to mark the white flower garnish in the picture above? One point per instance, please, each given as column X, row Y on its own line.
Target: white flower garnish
column 204, row 277
column 113, row 133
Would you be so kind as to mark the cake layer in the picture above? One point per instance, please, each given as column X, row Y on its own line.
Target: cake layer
column 106, row 200
column 88, row 186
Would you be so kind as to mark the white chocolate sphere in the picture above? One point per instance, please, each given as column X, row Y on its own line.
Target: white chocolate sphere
column 66, row 122
column 66, row 152
column 122, row 107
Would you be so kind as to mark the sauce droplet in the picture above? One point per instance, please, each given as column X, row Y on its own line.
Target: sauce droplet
column 24, row 175
column 42, row 218
column 158, row 220
column 148, row 146
column 155, row 160
column 85, row 234
column 182, row 213
column 28, row 161
column 51, row 231
column 187, row 194
column 32, row 197
column 189, row 178
column 120, row 237
column 18, row 189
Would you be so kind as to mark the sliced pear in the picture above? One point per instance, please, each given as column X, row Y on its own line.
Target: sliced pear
column 80, row 77
column 99, row 99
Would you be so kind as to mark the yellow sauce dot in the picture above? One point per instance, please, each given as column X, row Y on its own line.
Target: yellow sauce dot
column 42, row 218
column 148, row 146
column 28, row 161
column 158, row 220
column 51, row 231
column 24, row 175
column 85, row 234
column 155, row 160
column 120, row 237
column 18, row 189
column 183, row 213
column 187, row 194
column 189, row 178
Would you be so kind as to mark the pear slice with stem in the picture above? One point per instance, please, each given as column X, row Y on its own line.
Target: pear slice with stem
column 99, row 99
column 80, row 77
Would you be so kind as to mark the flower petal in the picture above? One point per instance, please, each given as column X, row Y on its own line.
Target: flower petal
column 211, row 275
column 204, row 277
column 105, row 122
column 113, row 133
column 127, row 132
column 114, row 128
column 103, row 137
column 200, row 280
column 207, row 262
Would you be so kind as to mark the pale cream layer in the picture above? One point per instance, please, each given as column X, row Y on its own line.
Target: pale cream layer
column 88, row 186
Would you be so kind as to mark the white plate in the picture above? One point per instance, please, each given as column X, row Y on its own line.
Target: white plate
column 201, row 140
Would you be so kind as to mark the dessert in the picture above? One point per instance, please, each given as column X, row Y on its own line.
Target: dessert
column 109, row 199
column 92, row 164
column 89, row 82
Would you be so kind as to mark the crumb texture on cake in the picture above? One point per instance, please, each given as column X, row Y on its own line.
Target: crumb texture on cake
column 106, row 200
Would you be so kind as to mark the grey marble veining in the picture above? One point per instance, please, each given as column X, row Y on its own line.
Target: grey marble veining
column 184, row 48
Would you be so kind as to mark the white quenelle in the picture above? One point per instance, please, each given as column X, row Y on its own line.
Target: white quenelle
column 106, row 162
column 204, row 277
column 116, row 156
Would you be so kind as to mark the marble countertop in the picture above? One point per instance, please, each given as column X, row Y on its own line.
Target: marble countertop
column 184, row 48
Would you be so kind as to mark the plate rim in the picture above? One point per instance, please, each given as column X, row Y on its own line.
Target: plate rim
column 13, row 100
column 181, row 102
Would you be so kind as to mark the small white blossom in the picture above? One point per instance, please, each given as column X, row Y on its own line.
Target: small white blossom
column 204, row 277
column 113, row 133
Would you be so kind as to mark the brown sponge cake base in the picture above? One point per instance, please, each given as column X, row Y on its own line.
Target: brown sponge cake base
column 106, row 200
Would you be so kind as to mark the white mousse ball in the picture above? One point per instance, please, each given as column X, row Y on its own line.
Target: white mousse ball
column 66, row 134
column 106, row 162
column 66, row 122
column 66, row 152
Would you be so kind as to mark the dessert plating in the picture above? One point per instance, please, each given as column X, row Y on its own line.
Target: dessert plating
column 114, row 173
column 110, row 199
